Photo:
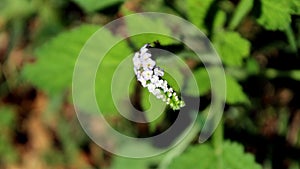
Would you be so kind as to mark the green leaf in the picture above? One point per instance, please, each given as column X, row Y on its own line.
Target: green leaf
column 53, row 69
column 94, row 5
column 203, row 156
column 147, row 25
column 275, row 14
column 231, row 47
column 203, row 83
column 105, row 75
column 197, row 11
column 234, row 92
column 295, row 6
column 56, row 60
column 240, row 12
column 219, row 22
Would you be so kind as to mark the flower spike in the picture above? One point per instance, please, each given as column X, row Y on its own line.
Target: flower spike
column 150, row 76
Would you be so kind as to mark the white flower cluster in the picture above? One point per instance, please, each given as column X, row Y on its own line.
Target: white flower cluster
column 150, row 76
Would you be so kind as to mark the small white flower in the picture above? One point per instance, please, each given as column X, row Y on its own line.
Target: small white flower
column 165, row 86
column 159, row 83
column 144, row 49
column 158, row 72
column 136, row 61
column 147, row 74
column 145, row 56
column 148, row 64
column 154, row 80
column 143, row 81
column 151, row 87
column 176, row 98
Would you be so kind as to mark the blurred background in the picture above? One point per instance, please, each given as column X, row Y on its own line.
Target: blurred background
column 258, row 42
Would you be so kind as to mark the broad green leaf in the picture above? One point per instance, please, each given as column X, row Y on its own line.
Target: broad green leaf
column 106, row 73
column 275, row 14
column 146, row 25
column 203, row 156
column 56, row 60
column 94, row 5
column 240, row 12
column 232, row 48
column 203, row 83
column 52, row 72
column 197, row 11
column 234, row 92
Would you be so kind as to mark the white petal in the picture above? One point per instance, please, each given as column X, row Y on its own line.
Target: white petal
column 147, row 74
column 158, row 72
column 143, row 81
column 151, row 87
column 154, row 80
column 148, row 64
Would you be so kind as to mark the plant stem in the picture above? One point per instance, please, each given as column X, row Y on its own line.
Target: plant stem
column 291, row 38
column 217, row 140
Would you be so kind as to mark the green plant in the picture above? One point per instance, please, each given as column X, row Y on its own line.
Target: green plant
column 225, row 18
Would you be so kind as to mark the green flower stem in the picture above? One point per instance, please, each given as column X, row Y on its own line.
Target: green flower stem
column 291, row 38
column 217, row 140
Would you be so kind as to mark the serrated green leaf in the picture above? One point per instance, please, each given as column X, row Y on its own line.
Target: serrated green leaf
column 53, row 69
column 197, row 11
column 203, row 156
column 231, row 47
column 146, row 25
column 94, row 5
column 56, row 60
column 234, row 92
column 275, row 14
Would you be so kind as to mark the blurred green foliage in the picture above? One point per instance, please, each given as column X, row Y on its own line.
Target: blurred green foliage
column 36, row 22
column 8, row 152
